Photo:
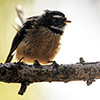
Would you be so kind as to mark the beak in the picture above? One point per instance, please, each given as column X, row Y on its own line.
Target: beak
column 68, row 21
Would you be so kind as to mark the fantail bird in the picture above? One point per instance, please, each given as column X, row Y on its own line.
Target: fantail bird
column 39, row 38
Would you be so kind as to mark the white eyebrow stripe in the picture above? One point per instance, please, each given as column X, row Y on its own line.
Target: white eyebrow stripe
column 57, row 16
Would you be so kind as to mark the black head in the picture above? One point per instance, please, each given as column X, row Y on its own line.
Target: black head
column 54, row 20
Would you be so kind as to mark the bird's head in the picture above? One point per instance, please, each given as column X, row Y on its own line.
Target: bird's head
column 54, row 20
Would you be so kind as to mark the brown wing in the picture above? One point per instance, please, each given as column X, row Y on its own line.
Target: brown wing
column 19, row 37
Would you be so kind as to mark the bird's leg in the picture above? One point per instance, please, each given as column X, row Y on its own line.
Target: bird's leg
column 55, row 65
column 36, row 64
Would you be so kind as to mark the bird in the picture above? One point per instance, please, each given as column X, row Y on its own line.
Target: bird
column 39, row 38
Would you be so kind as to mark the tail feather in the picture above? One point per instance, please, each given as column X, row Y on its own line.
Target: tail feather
column 9, row 58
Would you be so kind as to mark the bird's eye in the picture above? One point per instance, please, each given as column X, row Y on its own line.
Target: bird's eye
column 55, row 20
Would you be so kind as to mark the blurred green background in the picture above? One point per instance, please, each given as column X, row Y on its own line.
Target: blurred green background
column 7, row 20
column 7, row 32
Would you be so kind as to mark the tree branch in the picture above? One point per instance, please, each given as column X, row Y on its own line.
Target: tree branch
column 26, row 74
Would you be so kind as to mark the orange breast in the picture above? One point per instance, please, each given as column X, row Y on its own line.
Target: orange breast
column 39, row 45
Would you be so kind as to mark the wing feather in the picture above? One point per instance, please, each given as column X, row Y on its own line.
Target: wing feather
column 19, row 37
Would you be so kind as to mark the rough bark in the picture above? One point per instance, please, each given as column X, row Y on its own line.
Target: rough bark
column 26, row 74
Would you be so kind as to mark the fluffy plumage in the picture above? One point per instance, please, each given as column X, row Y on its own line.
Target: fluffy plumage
column 39, row 38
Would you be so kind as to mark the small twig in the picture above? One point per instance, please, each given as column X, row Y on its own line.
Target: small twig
column 23, row 88
column 82, row 61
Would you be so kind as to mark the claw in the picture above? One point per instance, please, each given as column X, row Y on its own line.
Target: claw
column 20, row 60
column 55, row 65
column 36, row 63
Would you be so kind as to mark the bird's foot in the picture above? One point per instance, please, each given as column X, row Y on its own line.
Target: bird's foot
column 36, row 64
column 55, row 65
